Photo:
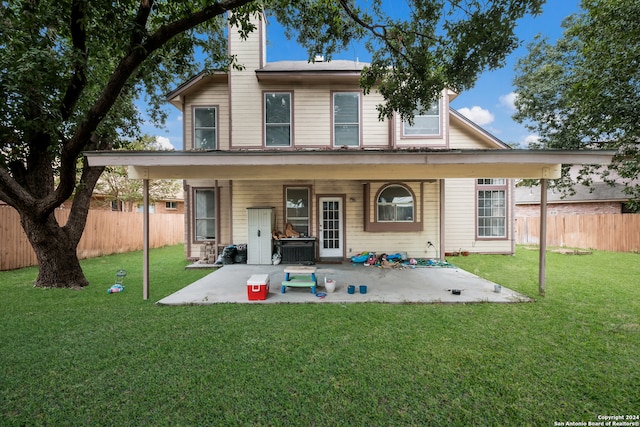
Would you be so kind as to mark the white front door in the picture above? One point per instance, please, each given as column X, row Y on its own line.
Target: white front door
column 331, row 223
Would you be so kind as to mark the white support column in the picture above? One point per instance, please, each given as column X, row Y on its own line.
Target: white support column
column 543, row 237
column 145, row 238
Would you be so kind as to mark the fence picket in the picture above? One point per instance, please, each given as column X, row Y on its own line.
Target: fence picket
column 607, row 232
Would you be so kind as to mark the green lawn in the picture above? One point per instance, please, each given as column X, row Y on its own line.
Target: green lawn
column 90, row 358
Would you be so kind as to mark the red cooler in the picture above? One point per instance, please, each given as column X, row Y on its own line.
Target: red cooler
column 258, row 287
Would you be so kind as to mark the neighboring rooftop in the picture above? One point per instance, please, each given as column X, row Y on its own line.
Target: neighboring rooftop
column 599, row 192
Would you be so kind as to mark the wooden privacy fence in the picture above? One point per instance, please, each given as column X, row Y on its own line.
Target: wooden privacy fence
column 106, row 233
column 611, row 232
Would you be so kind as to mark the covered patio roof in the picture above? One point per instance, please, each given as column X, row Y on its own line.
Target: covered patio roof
column 349, row 164
column 346, row 164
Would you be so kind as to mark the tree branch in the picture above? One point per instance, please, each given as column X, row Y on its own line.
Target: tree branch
column 373, row 29
column 12, row 192
column 140, row 22
column 119, row 78
column 132, row 61
column 80, row 208
column 78, row 79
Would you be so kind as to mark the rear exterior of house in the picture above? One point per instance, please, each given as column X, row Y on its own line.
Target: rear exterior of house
column 299, row 106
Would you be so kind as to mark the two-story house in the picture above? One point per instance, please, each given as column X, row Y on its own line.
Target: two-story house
column 299, row 143
column 300, row 106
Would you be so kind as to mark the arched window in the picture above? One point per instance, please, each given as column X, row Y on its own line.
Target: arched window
column 395, row 204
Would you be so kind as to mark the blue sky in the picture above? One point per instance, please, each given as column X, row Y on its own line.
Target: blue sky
column 489, row 103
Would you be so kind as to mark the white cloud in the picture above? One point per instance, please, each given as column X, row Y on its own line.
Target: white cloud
column 163, row 143
column 509, row 100
column 477, row 114
column 531, row 139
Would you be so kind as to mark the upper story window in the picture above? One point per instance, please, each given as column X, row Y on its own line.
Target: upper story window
column 346, row 119
column 425, row 122
column 171, row 205
column 205, row 128
column 277, row 119
column 395, row 204
column 492, row 208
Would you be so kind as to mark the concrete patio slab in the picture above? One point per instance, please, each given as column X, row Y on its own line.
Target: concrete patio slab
column 405, row 285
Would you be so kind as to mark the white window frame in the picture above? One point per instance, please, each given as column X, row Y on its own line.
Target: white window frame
column 296, row 221
column 491, row 221
column 198, row 218
column 357, row 124
column 213, row 128
column 396, row 205
column 267, row 125
column 413, row 131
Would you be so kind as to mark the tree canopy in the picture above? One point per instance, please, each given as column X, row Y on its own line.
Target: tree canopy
column 70, row 71
column 584, row 91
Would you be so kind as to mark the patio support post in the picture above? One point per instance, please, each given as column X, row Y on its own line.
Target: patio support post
column 145, row 238
column 442, row 215
column 543, row 237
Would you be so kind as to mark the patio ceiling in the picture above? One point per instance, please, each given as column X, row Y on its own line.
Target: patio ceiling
column 346, row 164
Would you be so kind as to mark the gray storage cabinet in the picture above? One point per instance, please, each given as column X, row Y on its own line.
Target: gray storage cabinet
column 261, row 222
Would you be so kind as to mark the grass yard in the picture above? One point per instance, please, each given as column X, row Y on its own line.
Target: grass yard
column 90, row 358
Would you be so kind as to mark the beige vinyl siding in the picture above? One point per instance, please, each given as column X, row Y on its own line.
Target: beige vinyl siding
column 413, row 243
column 252, row 194
column 311, row 116
column 212, row 94
column 250, row 52
column 460, row 220
column 459, row 138
column 270, row 193
column 246, row 110
column 375, row 132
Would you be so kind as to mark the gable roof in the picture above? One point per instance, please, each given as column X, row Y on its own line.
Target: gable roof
column 457, row 117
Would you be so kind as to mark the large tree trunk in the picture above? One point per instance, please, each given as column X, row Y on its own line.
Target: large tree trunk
column 56, row 252
column 55, row 246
